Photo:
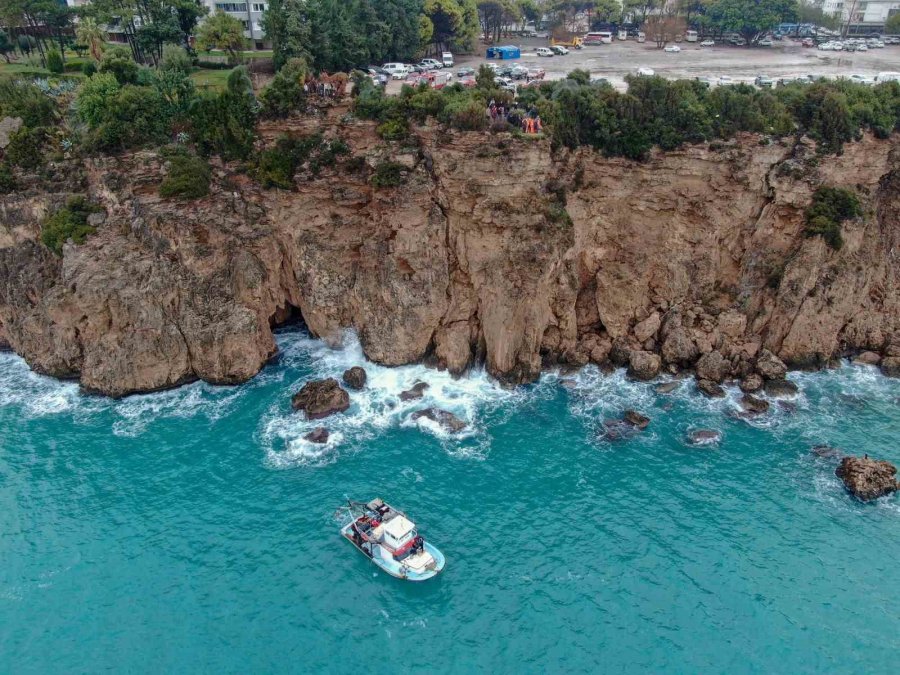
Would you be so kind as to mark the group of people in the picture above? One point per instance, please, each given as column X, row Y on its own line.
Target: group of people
column 325, row 85
column 529, row 122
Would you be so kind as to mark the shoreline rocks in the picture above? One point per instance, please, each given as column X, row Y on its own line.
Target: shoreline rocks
column 866, row 478
column 752, row 404
column 636, row 419
column 710, row 389
column 321, row 398
column 780, row 388
column 317, row 435
column 415, row 392
column 890, row 366
column 704, row 437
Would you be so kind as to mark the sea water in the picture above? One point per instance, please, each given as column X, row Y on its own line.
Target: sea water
column 195, row 530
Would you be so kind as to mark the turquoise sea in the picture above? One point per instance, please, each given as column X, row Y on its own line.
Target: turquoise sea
column 195, row 531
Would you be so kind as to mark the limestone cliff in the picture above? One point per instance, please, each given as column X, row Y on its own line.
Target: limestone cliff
column 495, row 249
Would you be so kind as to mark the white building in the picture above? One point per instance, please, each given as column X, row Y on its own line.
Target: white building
column 862, row 16
column 248, row 13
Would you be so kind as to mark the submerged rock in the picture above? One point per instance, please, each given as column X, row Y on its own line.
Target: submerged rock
column 321, row 398
column 644, row 365
column 710, row 389
column 778, row 388
column 636, row 419
column 617, row 430
column 667, row 387
column 753, row 382
column 770, row 366
column 753, row 404
column 317, row 435
column 826, row 452
column 704, row 437
column 867, row 478
column 443, row 417
column 355, row 377
column 417, row 391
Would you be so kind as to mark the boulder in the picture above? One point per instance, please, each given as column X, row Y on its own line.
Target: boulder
column 636, row 419
column 644, row 365
column 867, row 359
column 321, row 398
column 713, row 366
column 704, row 437
column 443, row 417
column 779, row 388
column 667, row 387
column 317, row 435
column 355, row 378
column 891, row 366
column 770, row 366
column 710, row 389
column 8, row 127
column 751, row 404
column 751, row 383
column 647, row 328
column 867, row 478
column 415, row 392
column 678, row 348
column 617, row 430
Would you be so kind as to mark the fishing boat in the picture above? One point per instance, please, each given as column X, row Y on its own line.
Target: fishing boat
column 388, row 538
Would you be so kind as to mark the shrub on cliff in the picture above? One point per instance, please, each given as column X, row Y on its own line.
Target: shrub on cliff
column 277, row 166
column 830, row 207
column 285, row 93
column 55, row 62
column 188, row 177
column 117, row 62
column 388, row 174
column 26, row 147
column 70, row 222
column 131, row 117
column 225, row 123
column 7, row 179
column 25, row 100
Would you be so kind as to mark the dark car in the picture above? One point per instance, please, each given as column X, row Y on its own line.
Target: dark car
column 465, row 72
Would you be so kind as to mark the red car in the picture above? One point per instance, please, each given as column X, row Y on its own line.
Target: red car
column 536, row 74
column 808, row 42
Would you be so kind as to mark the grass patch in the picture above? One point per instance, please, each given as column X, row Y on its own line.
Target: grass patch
column 212, row 80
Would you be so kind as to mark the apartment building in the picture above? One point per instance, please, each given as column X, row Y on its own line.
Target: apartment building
column 862, row 16
column 248, row 13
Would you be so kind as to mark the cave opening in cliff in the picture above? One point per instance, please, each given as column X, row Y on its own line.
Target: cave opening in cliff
column 287, row 316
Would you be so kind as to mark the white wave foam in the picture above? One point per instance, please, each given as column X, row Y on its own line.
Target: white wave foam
column 378, row 406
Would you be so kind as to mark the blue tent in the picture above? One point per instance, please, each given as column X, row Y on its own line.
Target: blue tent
column 507, row 52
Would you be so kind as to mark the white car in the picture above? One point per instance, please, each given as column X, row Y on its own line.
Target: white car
column 544, row 51
column 765, row 43
column 431, row 63
column 861, row 79
column 724, row 79
column 643, row 70
column 708, row 43
column 398, row 71
column 559, row 49
column 672, row 49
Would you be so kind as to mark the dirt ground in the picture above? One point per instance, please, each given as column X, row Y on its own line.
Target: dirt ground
column 742, row 64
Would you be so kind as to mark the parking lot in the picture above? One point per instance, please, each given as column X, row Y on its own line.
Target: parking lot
column 743, row 64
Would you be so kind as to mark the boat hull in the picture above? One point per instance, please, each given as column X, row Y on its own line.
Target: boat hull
column 384, row 560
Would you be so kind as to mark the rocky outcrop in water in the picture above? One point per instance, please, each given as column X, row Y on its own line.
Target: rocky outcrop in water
column 317, row 435
column 445, row 418
column 866, row 478
column 321, row 398
column 355, row 378
column 494, row 251
column 704, row 437
column 415, row 392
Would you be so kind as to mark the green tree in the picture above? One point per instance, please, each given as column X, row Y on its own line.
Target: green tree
column 455, row 23
column 55, row 62
column 6, row 45
column 286, row 25
column 892, row 25
column 222, row 31
column 89, row 33
column 750, row 18
column 607, row 11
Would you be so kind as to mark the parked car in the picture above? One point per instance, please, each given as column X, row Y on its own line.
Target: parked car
column 436, row 65
column 528, row 33
column 379, row 75
column 465, row 72
column 559, row 50
column 737, row 41
column 723, row 80
column 518, row 72
column 764, row 81
column 506, row 84
column 807, row 42
column 536, row 74
column 544, row 51
column 468, row 81
column 672, row 49
column 708, row 43
column 643, row 70
column 447, row 59
column 887, row 76
column 765, row 42
column 398, row 71
column 861, row 79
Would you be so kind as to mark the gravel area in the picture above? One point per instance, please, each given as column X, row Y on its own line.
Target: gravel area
column 742, row 64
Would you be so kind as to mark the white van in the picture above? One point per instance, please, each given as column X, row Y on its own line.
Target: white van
column 691, row 36
column 398, row 71
column 623, row 35
column 544, row 51
column 447, row 59
column 888, row 76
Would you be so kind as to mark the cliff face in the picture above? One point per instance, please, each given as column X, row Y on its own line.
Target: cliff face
column 493, row 250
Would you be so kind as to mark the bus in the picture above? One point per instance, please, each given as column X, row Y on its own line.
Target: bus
column 603, row 37
column 691, row 36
